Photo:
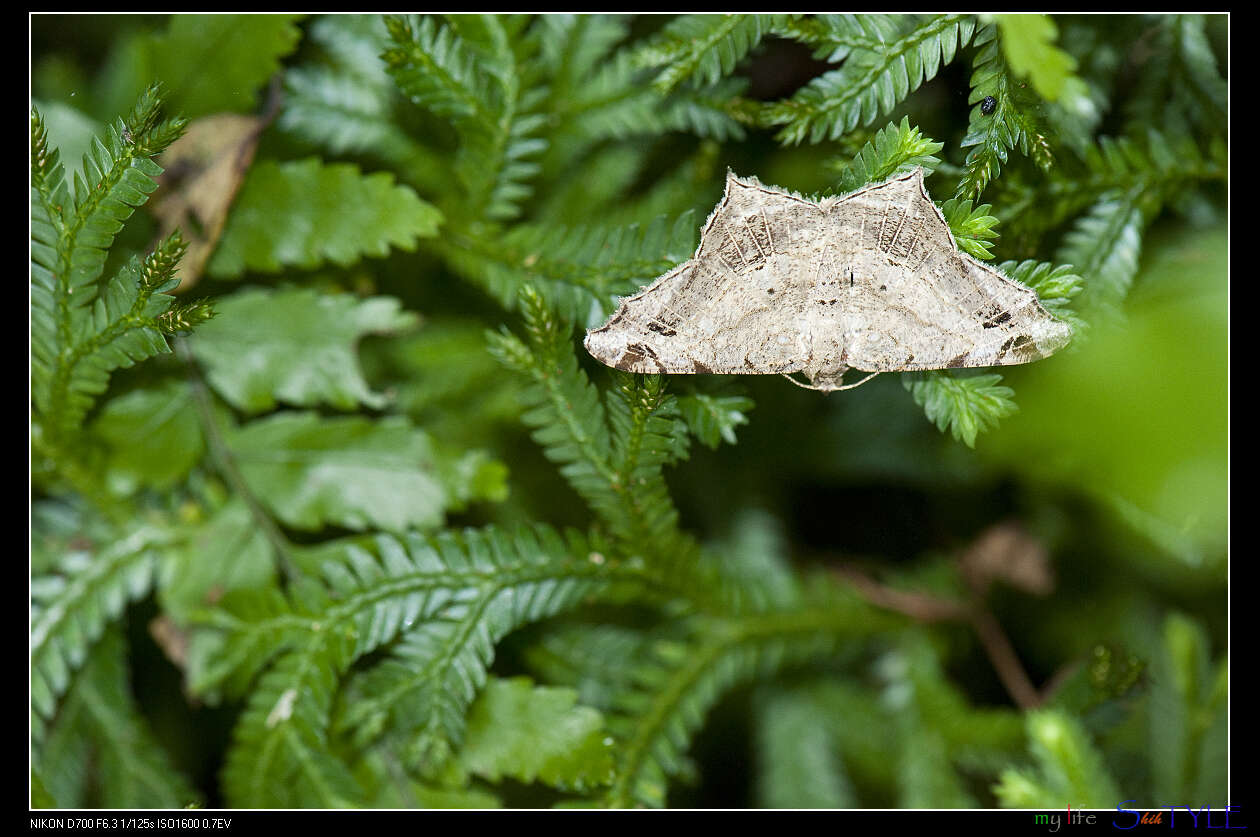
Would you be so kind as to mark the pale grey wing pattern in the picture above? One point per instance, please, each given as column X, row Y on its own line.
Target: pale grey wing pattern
column 723, row 310
column 642, row 334
column 872, row 281
column 926, row 305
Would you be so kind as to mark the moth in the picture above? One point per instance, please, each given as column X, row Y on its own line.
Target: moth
column 871, row 281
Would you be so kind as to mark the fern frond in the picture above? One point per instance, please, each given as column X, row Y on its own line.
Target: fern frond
column 422, row 691
column 799, row 765
column 870, row 82
column 615, row 103
column 280, row 755
column 965, row 406
column 346, row 114
column 647, row 434
column 596, row 660
column 712, row 419
column 47, row 173
column 1182, row 89
column 973, row 228
column 834, row 37
column 701, row 49
column 579, row 272
column 100, row 751
column 1010, row 126
column 1133, row 179
column 126, row 325
column 1056, row 286
column 71, row 607
column 312, row 361
column 497, row 121
column 895, row 149
column 1069, row 766
column 930, row 708
column 306, row 213
column 1148, row 171
column 1106, row 244
column 573, row 46
column 481, row 584
column 656, row 720
column 75, row 344
column 1028, row 42
column 536, row 733
column 603, row 468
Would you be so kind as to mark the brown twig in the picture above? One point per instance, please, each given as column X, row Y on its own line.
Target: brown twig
column 918, row 606
column 1005, row 662
column 926, row 608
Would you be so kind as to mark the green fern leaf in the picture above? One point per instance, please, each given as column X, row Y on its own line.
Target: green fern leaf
column 1056, row 286
column 579, row 272
column 536, row 733
column 227, row 552
column 81, row 332
column 870, row 82
column 214, row 63
column 294, row 346
column 100, row 752
column 703, row 48
column 152, row 435
column 1182, row 89
column 1105, row 245
column 421, row 693
column 608, row 470
column 965, row 406
column 306, row 213
column 675, row 691
column 1008, row 127
column 343, row 113
column 280, row 755
column 1028, row 44
column 1189, row 694
column 1132, row 180
column 122, row 328
column 939, row 734
column 1068, row 767
column 346, row 103
column 713, row 418
column 834, row 37
column 356, row 473
column 973, row 228
column 71, row 607
column 498, row 123
column 483, row 584
column 597, row 661
column 895, row 149
column 798, row 762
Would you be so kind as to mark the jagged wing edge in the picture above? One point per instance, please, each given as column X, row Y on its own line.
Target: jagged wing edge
column 732, row 180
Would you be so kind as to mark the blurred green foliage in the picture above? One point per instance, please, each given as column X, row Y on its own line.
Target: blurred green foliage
column 381, row 534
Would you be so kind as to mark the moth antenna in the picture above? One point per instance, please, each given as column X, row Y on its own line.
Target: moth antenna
column 829, row 389
column 859, row 383
column 802, row 386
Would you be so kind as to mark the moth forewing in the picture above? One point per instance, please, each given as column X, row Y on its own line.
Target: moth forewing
column 872, row 280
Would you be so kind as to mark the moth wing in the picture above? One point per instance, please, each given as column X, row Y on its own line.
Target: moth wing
column 920, row 303
column 721, row 311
